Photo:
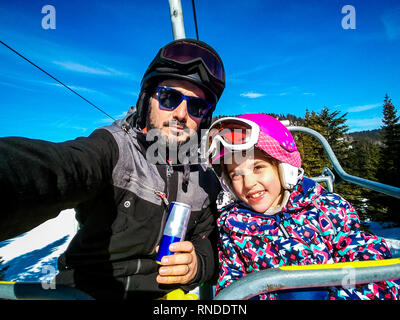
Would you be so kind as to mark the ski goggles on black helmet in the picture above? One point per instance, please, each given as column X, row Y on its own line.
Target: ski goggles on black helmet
column 185, row 52
column 184, row 59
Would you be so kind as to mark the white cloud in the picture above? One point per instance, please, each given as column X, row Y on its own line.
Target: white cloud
column 391, row 22
column 20, row 87
column 105, row 121
column 363, row 107
column 68, row 124
column 309, row 93
column 121, row 115
column 252, row 95
column 364, row 124
column 75, row 88
column 109, row 120
column 73, row 66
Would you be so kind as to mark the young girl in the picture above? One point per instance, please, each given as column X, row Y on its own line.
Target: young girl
column 280, row 217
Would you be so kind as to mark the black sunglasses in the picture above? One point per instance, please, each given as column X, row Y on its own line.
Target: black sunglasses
column 170, row 99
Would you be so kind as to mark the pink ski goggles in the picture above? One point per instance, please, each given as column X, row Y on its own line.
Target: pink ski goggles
column 231, row 134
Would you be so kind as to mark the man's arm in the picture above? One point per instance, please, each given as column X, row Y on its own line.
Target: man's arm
column 38, row 178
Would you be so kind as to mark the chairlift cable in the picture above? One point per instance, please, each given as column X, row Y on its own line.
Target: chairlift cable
column 195, row 20
column 66, row 86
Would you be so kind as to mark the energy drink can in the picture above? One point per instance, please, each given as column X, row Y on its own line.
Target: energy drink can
column 175, row 228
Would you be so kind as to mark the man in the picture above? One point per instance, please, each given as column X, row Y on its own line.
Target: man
column 120, row 190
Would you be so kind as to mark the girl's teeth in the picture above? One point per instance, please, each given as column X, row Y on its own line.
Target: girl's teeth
column 256, row 195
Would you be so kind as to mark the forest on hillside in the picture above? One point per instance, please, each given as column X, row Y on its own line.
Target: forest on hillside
column 372, row 155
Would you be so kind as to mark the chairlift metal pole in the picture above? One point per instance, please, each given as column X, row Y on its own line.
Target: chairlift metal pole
column 311, row 276
column 36, row 291
column 373, row 185
column 178, row 27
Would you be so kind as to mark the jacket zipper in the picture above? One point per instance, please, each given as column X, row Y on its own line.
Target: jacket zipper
column 140, row 183
column 283, row 230
column 164, row 198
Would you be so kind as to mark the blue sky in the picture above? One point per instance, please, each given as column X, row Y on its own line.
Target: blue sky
column 280, row 56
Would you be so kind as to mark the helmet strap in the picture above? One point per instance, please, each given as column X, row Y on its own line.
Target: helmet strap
column 288, row 174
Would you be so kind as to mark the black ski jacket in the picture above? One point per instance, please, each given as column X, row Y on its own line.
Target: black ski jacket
column 121, row 201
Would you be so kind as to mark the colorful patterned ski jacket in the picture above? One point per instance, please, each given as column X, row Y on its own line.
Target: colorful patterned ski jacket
column 315, row 227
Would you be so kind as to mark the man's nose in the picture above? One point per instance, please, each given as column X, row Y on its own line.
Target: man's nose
column 180, row 113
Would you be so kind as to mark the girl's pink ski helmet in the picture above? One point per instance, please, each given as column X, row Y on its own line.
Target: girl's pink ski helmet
column 275, row 139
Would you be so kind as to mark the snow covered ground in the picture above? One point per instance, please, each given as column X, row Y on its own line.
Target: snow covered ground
column 33, row 255
column 390, row 233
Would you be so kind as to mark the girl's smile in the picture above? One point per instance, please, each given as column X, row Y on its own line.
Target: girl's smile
column 255, row 180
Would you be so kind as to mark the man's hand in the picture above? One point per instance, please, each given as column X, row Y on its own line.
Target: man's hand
column 179, row 268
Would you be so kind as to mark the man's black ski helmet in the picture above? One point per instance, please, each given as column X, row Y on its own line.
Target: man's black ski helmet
column 183, row 59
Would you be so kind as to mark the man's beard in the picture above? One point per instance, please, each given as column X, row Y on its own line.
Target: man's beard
column 163, row 147
column 170, row 140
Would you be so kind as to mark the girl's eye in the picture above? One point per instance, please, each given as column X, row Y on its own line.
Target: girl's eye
column 234, row 176
column 258, row 168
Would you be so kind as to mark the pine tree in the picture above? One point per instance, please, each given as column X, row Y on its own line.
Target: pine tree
column 390, row 149
column 335, row 132
column 365, row 165
column 389, row 167
column 332, row 125
column 312, row 153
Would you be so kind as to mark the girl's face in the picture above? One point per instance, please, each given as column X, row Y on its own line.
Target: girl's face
column 255, row 181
